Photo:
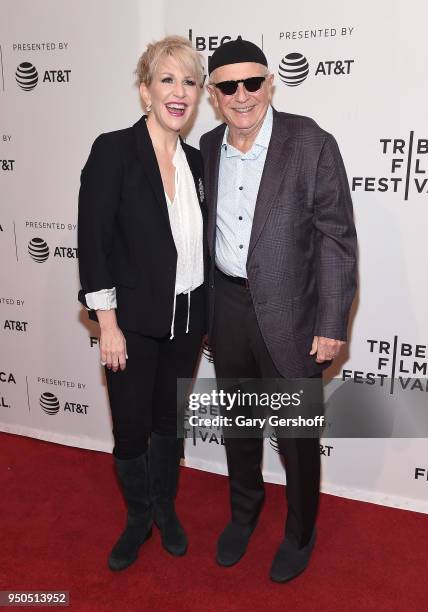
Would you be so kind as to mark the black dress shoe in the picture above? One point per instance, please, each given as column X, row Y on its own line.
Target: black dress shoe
column 232, row 543
column 291, row 561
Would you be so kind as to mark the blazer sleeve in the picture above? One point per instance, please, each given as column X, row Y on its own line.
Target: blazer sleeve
column 336, row 244
column 99, row 196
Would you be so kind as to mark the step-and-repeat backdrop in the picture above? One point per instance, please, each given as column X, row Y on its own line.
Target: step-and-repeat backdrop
column 66, row 75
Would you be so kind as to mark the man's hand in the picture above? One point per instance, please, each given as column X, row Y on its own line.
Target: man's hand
column 325, row 349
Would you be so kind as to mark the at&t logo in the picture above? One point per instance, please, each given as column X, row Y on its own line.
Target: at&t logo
column 27, row 76
column 326, row 450
column 49, row 403
column 19, row 326
column 7, row 164
column 207, row 353
column 39, row 251
column 293, row 69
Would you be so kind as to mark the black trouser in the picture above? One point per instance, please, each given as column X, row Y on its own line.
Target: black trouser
column 240, row 352
column 143, row 397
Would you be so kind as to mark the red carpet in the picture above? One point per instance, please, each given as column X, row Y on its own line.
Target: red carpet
column 61, row 512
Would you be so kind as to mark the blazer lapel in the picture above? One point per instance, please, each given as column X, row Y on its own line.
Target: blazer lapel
column 150, row 165
column 196, row 170
column 212, row 185
column 278, row 157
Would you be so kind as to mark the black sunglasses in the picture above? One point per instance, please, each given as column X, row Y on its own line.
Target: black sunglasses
column 228, row 88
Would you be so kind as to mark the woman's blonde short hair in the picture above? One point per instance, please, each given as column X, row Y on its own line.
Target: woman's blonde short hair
column 171, row 46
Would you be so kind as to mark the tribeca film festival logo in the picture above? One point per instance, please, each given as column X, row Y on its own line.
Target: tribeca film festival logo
column 421, row 473
column 406, row 171
column 213, row 435
column 27, row 76
column 293, row 69
column 213, row 41
column 6, row 378
column 210, row 43
column 39, row 251
column 397, row 363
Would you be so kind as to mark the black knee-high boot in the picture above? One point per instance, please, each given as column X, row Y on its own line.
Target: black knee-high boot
column 134, row 478
column 164, row 460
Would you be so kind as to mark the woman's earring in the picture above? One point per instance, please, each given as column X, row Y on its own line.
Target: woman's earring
column 148, row 107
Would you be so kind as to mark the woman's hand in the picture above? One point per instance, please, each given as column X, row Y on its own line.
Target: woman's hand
column 112, row 341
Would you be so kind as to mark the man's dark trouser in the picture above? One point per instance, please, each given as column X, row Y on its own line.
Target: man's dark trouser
column 240, row 352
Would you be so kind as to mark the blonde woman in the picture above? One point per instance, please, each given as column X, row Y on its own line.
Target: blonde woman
column 142, row 272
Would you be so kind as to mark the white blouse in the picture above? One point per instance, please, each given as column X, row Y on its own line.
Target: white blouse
column 185, row 218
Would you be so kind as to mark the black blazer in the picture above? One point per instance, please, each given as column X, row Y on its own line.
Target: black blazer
column 124, row 234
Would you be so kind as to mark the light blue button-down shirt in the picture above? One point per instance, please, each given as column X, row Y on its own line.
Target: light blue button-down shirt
column 238, row 186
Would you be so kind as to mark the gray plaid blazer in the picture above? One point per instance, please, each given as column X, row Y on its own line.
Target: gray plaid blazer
column 302, row 258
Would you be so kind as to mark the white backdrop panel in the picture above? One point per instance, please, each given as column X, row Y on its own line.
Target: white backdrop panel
column 366, row 83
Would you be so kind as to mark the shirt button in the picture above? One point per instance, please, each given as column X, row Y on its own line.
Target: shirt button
column 241, row 188
column 241, row 246
column 240, row 218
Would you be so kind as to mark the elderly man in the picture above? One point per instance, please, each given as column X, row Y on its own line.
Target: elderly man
column 282, row 279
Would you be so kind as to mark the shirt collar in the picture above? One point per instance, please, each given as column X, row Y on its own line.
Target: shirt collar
column 261, row 142
column 177, row 158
